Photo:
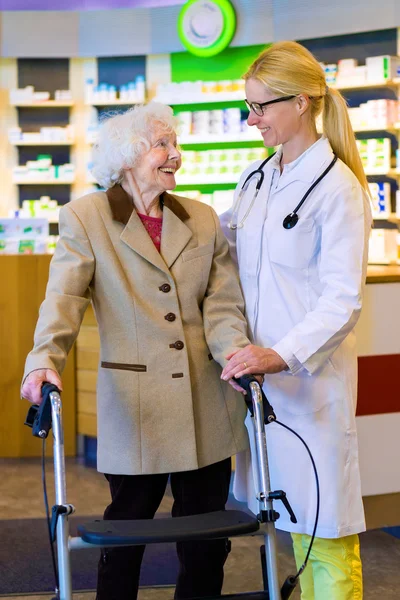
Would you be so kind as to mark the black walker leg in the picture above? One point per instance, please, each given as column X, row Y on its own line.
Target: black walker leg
column 264, row 568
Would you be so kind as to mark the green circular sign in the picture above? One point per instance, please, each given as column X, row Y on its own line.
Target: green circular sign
column 206, row 27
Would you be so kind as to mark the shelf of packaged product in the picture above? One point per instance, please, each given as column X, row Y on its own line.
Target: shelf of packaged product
column 44, row 104
column 392, row 173
column 222, row 145
column 239, row 96
column 201, row 99
column 43, row 181
column 388, row 129
column 227, row 179
column 222, row 142
column 42, row 143
column 369, row 85
column 194, row 140
column 116, row 102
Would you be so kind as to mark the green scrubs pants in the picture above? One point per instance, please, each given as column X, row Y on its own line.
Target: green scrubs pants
column 334, row 569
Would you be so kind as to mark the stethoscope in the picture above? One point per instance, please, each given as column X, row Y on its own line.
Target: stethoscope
column 288, row 222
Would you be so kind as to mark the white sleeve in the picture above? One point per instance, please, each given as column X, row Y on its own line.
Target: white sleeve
column 226, row 217
column 342, row 270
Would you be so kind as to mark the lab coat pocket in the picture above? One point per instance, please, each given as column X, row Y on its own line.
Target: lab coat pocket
column 293, row 247
column 301, row 394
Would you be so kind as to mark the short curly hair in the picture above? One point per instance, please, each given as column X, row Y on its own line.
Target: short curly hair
column 123, row 138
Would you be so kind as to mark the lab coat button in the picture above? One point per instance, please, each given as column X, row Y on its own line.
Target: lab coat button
column 170, row 317
column 165, row 287
column 179, row 345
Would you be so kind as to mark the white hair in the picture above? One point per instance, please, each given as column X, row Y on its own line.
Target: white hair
column 123, row 138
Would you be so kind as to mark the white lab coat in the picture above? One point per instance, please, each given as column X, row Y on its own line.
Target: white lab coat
column 303, row 292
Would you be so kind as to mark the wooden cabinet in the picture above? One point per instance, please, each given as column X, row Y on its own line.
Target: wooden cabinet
column 87, row 359
column 23, row 284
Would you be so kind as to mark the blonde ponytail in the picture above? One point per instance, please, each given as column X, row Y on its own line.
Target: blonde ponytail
column 287, row 68
column 337, row 128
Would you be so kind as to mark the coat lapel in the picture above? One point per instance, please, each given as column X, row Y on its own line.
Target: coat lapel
column 174, row 237
column 175, row 233
column 134, row 234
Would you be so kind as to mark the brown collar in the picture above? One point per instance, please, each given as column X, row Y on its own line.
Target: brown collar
column 122, row 206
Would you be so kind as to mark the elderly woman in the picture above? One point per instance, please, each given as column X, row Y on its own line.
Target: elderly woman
column 169, row 309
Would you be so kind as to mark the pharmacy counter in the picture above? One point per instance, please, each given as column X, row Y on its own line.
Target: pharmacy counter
column 23, row 287
column 383, row 274
column 378, row 409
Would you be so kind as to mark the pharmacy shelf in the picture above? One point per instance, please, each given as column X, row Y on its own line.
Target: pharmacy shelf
column 113, row 103
column 208, row 140
column 239, row 96
column 43, row 181
column 42, row 143
column 394, row 173
column 369, row 85
column 202, row 99
column 392, row 218
column 44, row 104
column 217, row 139
column 389, row 129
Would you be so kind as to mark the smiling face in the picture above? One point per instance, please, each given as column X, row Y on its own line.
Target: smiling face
column 156, row 168
column 281, row 122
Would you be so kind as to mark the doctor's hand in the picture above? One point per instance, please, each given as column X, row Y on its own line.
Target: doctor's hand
column 252, row 360
column 32, row 386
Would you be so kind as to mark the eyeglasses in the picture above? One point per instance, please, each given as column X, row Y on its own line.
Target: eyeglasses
column 258, row 107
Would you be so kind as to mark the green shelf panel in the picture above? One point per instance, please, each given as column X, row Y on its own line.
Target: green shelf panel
column 209, row 106
column 232, row 63
column 223, row 145
column 206, row 188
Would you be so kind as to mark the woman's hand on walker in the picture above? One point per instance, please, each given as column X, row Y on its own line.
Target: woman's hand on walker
column 32, row 387
column 253, row 360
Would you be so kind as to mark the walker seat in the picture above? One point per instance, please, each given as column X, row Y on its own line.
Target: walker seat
column 218, row 524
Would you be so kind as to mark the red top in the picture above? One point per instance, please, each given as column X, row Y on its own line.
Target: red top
column 153, row 226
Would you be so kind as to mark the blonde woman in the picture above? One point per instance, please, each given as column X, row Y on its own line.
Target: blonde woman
column 302, row 270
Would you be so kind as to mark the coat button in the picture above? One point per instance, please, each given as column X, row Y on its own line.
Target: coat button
column 179, row 345
column 170, row 317
column 165, row 287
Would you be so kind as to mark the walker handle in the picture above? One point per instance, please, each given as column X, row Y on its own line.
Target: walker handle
column 39, row 417
column 245, row 382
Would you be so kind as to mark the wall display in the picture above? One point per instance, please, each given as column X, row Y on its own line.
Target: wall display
column 58, row 111
column 206, row 27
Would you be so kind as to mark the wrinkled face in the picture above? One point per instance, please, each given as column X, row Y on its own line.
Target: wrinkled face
column 156, row 168
column 280, row 122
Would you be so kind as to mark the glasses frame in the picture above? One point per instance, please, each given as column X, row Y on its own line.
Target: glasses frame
column 260, row 105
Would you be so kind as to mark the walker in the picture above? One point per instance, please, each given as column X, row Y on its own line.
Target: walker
column 220, row 524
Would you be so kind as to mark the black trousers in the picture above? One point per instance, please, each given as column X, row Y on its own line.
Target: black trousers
column 138, row 497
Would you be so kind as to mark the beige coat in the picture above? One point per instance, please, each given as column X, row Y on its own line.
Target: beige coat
column 166, row 321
